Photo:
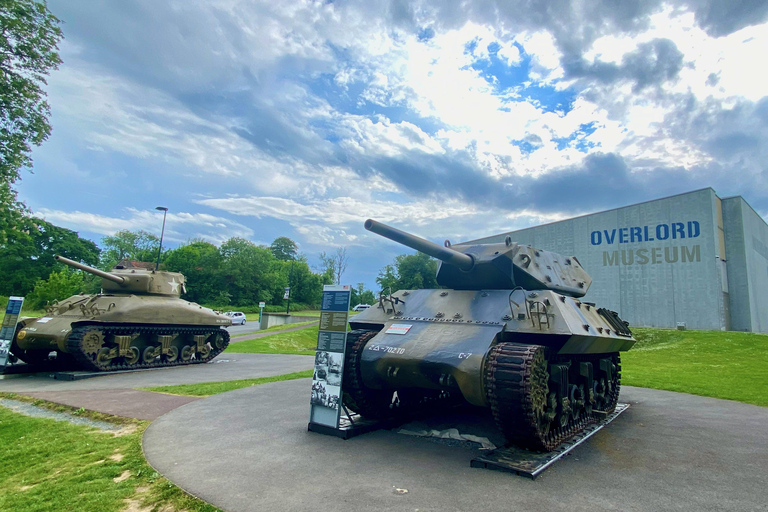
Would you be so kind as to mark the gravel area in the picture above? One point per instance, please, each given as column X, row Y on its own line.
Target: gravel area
column 28, row 409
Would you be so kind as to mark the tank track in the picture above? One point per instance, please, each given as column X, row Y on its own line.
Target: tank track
column 76, row 349
column 516, row 404
column 380, row 404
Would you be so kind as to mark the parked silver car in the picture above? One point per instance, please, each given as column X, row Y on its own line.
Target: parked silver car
column 237, row 317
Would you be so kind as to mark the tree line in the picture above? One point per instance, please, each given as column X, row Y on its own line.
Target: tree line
column 238, row 273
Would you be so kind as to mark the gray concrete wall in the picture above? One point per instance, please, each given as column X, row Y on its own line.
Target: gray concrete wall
column 736, row 257
column 650, row 281
column 747, row 248
column 272, row 319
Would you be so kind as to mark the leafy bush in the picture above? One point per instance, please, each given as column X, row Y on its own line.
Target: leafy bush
column 58, row 286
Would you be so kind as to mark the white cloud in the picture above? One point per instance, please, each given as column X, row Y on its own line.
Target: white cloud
column 339, row 221
column 192, row 225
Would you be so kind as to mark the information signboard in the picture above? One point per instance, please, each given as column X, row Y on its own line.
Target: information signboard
column 325, row 402
column 8, row 329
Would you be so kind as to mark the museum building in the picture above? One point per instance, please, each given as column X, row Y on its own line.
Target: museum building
column 692, row 260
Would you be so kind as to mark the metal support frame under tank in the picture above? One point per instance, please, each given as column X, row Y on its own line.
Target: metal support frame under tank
column 532, row 464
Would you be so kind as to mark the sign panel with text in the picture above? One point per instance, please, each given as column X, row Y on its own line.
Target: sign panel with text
column 8, row 329
column 325, row 402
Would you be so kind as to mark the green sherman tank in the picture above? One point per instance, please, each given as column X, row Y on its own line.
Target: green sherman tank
column 137, row 321
column 508, row 332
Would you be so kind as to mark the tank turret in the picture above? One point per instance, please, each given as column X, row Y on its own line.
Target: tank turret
column 136, row 281
column 500, row 266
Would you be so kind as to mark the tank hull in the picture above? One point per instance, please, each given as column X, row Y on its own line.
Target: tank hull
column 159, row 326
column 459, row 342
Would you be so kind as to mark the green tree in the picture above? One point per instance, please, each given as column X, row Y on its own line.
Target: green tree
column 416, row 271
column 306, row 286
column 133, row 245
column 249, row 273
column 29, row 35
column 284, row 249
column 28, row 257
column 388, row 278
column 200, row 262
column 361, row 295
column 58, row 286
column 409, row 272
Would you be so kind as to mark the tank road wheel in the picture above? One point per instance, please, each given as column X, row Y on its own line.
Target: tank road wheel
column 172, row 355
column 148, row 356
column 133, row 355
column 607, row 382
column 203, row 354
column 102, row 357
column 369, row 403
column 186, row 353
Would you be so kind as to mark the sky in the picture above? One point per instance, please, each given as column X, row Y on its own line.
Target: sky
column 448, row 119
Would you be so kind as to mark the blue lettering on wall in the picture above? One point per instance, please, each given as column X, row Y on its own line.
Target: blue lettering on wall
column 634, row 234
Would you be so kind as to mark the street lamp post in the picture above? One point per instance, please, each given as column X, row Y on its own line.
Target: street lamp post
column 160, row 249
column 290, row 275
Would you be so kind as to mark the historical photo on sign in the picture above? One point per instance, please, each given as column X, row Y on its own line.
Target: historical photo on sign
column 328, row 367
column 324, row 394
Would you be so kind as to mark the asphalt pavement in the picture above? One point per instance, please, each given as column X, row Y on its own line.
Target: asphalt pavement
column 249, row 450
column 227, row 366
column 116, row 394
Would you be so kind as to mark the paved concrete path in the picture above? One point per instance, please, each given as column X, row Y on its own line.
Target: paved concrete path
column 669, row 451
column 129, row 403
column 114, row 393
column 227, row 366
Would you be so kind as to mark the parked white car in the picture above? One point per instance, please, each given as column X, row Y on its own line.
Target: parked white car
column 361, row 307
column 237, row 317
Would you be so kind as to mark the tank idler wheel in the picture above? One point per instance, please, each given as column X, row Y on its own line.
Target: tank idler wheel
column 218, row 341
column 149, row 354
column 186, row 353
column 133, row 355
column 172, row 355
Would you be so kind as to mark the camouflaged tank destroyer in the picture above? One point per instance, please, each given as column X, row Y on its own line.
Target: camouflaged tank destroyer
column 137, row 321
column 508, row 332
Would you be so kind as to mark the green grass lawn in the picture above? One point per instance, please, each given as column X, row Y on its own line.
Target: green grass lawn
column 213, row 388
column 731, row 365
column 281, row 327
column 302, row 341
column 55, row 465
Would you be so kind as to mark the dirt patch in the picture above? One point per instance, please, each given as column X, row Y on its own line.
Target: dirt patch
column 132, row 505
column 123, row 477
column 25, row 487
column 126, row 430
column 117, row 457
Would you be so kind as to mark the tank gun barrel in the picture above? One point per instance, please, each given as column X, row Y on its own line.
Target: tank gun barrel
column 86, row 268
column 450, row 256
